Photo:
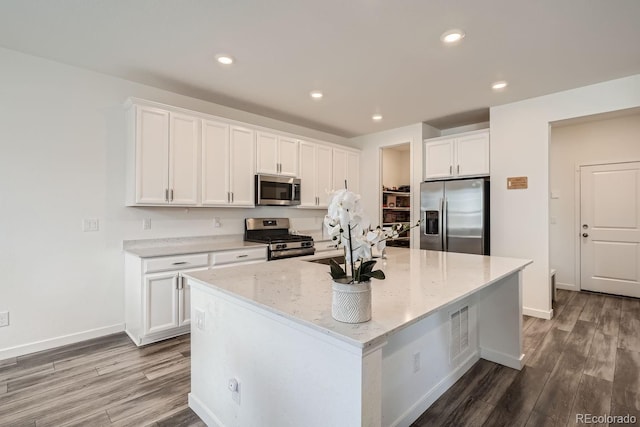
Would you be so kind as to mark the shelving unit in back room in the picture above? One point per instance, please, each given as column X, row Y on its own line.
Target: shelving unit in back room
column 396, row 209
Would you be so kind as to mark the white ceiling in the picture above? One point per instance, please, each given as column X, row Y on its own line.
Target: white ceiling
column 366, row 56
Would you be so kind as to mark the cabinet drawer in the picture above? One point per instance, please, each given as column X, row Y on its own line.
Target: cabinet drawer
column 178, row 262
column 241, row 255
column 325, row 245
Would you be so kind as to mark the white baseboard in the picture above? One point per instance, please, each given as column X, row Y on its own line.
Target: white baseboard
column 205, row 414
column 502, row 358
column 21, row 350
column 534, row 312
column 567, row 286
column 436, row 391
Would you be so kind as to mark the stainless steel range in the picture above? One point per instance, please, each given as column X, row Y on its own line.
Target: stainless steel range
column 275, row 233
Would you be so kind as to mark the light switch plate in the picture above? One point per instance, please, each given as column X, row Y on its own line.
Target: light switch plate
column 4, row 318
column 90, row 224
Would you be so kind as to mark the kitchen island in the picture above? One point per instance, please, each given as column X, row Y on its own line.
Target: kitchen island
column 266, row 351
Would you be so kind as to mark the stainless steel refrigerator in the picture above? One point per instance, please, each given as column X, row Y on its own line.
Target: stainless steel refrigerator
column 455, row 215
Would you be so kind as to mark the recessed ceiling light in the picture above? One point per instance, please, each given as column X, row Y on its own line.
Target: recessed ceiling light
column 452, row 36
column 316, row 94
column 499, row 85
column 224, row 59
column 376, row 117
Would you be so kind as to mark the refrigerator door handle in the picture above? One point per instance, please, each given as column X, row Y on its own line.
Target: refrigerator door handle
column 444, row 233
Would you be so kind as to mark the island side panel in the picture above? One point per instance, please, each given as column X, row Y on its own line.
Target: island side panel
column 287, row 376
column 500, row 321
column 411, row 386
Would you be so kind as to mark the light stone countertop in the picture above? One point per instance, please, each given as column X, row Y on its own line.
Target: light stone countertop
column 185, row 245
column 418, row 283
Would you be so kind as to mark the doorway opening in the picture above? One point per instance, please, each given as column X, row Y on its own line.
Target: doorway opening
column 396, row 190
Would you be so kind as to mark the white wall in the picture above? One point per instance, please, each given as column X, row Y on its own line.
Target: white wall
column 396, row 167
column 520, row 147
column 370, row 165
column 603, row 140
column 62, row 134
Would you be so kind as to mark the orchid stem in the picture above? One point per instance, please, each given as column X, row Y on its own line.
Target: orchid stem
column 353, row 270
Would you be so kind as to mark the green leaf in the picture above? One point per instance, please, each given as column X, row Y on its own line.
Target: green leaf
column 336, row 271
column 367, row 266
column 377, row 274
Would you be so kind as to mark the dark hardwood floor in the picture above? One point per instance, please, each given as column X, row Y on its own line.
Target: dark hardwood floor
column 585, row 360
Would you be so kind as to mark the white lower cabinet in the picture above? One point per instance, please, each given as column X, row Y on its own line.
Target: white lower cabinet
column 157, row 297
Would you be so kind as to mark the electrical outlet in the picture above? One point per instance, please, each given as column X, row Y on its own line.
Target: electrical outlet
column 216, row 222
column 4, row 318
column 234, row 388
column 200, row 319
column 416, row 362
column 90, row 224
column 146, row 224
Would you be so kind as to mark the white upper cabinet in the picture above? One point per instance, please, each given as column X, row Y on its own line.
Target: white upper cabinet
column 166, row 158
column 184, row 155
column 315, row 174
column 241, row 166
column 346, row 167
column 227, row 165
column 276, row 155
column 457, row 156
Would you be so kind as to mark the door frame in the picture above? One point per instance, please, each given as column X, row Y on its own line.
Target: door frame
column 380, row 171
column 578, row 213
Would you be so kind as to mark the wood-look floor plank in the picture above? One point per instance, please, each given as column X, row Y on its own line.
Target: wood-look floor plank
column 609, row 322
column 527, row 321
column 98, row 419
column 631, row 305
column 493, row 386
column 625, row 402
column 601, row 362
column 470, row 413
column 557, row 397
column 538, row 419
column 628, row 337
column 592, row 309
column 519, row 399
column 168, row 367
column 569, row 315
column 592, row 397
column 547, row 353
column 535, row 333
column 183, row 418
column 13, row 372
column 442, row 408
column 627, row 375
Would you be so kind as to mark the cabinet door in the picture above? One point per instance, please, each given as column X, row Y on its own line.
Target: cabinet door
column 288, row 156
column 339, row 169
column 184, row 153
column 472, row 155
column 353, row 171
column 308, row 174
column 266, row 153
column 324, row 174
column 438, row 159
column 215, row 163
column 241, row 166
column 152, row 155
column 161, row 302
column 184, row 298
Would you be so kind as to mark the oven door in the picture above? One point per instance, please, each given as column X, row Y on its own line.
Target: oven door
column 277, row 190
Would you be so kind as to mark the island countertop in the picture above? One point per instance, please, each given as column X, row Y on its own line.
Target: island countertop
column 417, row 284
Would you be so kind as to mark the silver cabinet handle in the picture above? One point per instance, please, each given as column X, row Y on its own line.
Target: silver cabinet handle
column 166, row 194
column 242, row 256
column 180, row 263
column 180, row 282
column 232, row 197
column 228, row 197
column 585, row 234
column 458, row 172
column 450, row 170
column 171, row 195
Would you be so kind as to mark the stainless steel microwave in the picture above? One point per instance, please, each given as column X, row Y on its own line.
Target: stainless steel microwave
column 272, row 190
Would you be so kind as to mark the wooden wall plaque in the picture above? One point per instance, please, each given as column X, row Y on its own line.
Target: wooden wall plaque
column 517, row 183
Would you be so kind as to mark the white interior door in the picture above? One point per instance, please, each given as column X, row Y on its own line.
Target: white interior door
column 610, row 228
